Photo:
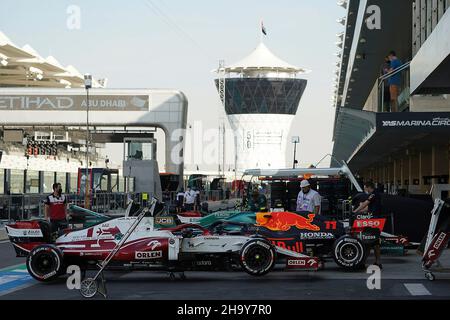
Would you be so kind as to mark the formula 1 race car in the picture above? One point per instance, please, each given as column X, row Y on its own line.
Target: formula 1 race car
column 303, row 232
column 131, row 242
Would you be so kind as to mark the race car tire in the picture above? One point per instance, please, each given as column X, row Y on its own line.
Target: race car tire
column 349, row 253
column 257, row 257
column 45, row 263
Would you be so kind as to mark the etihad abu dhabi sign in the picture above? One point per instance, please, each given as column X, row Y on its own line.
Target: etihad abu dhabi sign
column 74, row 102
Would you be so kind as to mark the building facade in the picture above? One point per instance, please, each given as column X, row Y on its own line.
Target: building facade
column 404, row 150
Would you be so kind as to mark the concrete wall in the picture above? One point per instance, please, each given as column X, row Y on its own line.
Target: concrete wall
column 372, row 100
column 427, row 103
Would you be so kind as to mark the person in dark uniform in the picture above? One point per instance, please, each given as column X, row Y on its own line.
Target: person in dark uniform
column 257, row 202
column 166, row 199
column 55, row 209
column 180, row 200
column 374, row 209
column 197, row 204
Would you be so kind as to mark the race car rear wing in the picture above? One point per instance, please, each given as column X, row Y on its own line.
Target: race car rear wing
column 342, row 171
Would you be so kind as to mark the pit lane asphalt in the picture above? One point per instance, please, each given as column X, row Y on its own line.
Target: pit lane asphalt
column 401, row 278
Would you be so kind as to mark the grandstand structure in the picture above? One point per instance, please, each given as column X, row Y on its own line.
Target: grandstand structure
column 25, row 67
column 52, row 154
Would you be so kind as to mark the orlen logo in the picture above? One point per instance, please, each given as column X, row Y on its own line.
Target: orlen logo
column 143, row 255
column 296, row 262
column 439, row 240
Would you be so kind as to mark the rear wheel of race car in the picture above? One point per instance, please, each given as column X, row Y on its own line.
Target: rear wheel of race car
column 45, row 263
column 257, row 257
column 349, row 253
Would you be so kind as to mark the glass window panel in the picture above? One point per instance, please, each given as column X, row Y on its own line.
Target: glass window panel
column 121, row 184
column 140, row 150
column 263, row 95
column 32, row 182
column 114, row 183
column 16, row 181
column 73, row 182
column 49, row 179
column 2, row 181
column 61, row 178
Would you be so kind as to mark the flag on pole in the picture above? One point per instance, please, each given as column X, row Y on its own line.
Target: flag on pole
column 263, row 29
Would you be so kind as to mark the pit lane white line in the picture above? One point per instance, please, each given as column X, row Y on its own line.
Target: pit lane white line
column 4, row 241
column 417, row 289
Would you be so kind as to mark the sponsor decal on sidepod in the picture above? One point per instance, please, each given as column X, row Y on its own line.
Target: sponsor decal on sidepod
column 283, row 221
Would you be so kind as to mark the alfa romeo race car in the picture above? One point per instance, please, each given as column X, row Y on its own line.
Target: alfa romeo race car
column 132, row 242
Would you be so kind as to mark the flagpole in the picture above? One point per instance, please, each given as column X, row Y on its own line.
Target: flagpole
column 260, row 31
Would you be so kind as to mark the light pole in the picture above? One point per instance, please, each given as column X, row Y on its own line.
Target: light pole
column 87, row 85
column 295, row 140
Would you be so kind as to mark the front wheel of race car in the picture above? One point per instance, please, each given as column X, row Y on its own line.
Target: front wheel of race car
column 45, row 263
column 349, row 253
column 257, row 257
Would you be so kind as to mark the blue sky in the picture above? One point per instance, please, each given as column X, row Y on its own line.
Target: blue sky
column 175, row 44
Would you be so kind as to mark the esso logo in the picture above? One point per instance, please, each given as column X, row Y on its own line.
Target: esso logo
column 368, row 223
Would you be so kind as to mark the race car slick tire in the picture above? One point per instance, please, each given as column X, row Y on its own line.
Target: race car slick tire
column 257, row 257
column 45, row 262
column 349, row 253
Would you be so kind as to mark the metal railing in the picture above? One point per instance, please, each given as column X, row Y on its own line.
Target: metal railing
column 25, row 206
column 404, row 91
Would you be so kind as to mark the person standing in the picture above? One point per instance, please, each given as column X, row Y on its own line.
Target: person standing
column 166, row 199
column 180, row 200
column 373, row 206
column 386, row 94
column 257, row 202
column 55, row 208
column 189, row 199
column 394, row 81
column 197, row 200
column 308, row 200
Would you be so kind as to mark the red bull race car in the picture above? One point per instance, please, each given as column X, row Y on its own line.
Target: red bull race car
column 311, row 234
column 347, row 242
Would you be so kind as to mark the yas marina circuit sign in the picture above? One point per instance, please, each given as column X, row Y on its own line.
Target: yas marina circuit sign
column 75, row 102
column 436, row 122
column 414, row 120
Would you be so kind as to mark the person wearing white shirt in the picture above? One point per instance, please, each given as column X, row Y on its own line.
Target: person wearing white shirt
column 308, row 200
column 189, row 199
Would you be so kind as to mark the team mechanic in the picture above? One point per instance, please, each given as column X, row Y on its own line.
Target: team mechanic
column 373, row 207
column 55, row 209
column 308, row 199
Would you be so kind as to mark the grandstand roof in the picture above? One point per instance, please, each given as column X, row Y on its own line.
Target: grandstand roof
column 25, row 67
